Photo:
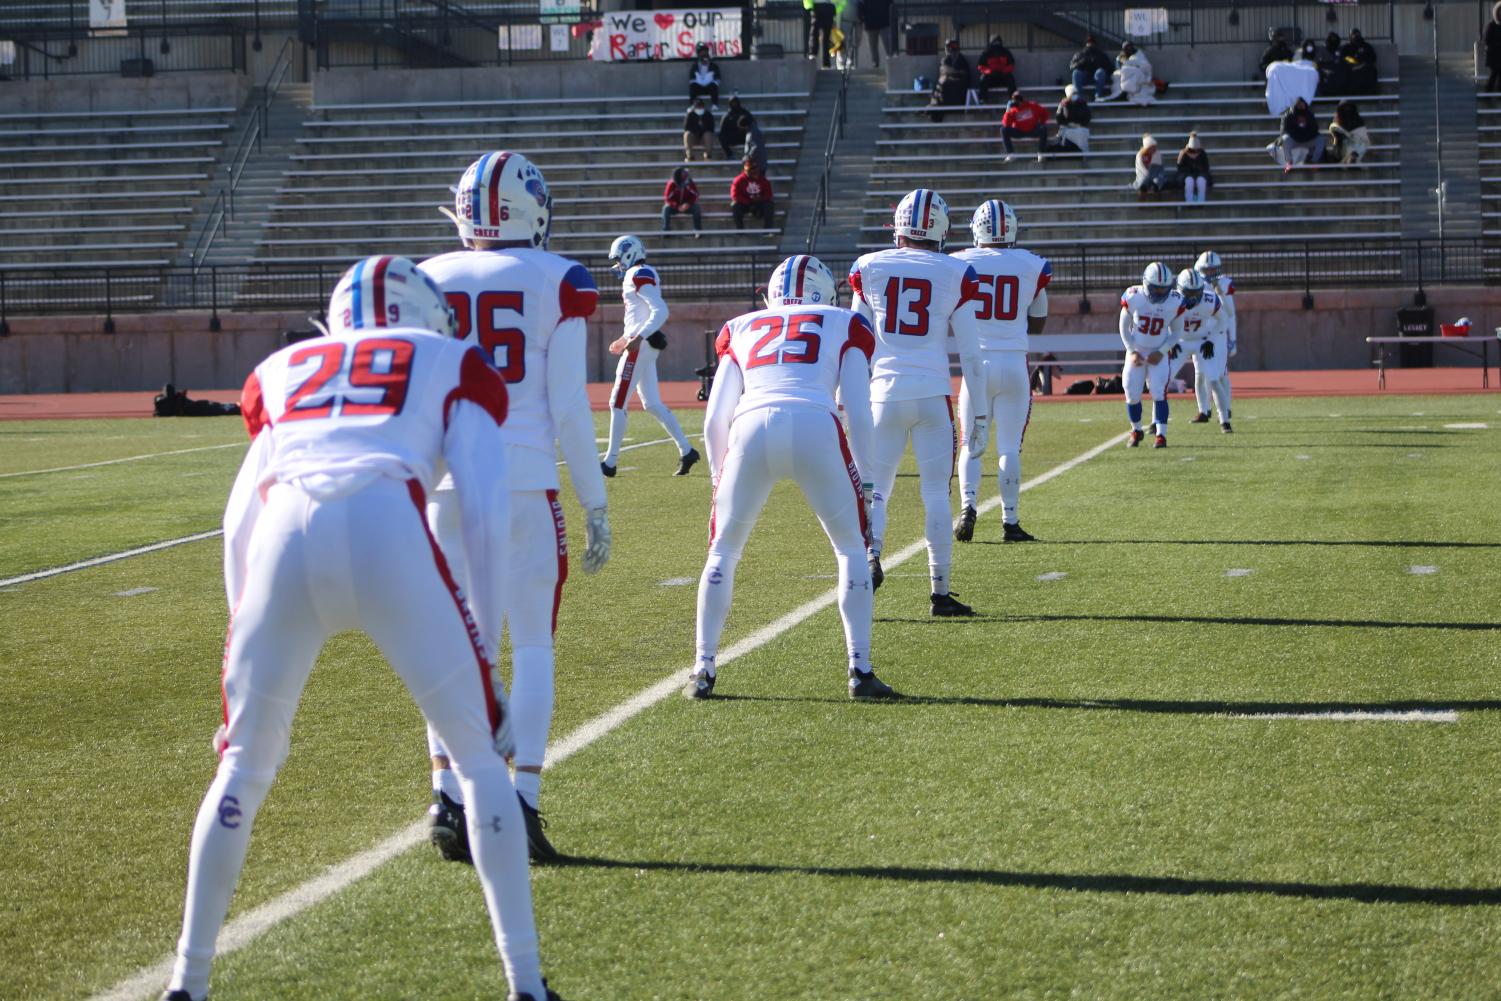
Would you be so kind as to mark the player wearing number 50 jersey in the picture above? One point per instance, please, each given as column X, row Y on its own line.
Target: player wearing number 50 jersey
column 914, row 294
column 1151, row 322
column 325, row 531
column 771, row 416
column 1012, row 303
column 526, row 308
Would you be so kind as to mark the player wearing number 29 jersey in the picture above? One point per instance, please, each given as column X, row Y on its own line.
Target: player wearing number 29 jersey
column 526, row 309
column 913, row 295
column 771, row 416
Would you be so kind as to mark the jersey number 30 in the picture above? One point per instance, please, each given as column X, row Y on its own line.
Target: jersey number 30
column 797, row 333
column 504, row 346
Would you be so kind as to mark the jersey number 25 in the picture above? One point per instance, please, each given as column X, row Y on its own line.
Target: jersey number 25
column 766, row 353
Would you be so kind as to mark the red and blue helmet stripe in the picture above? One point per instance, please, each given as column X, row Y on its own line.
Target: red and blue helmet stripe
column 368, row 288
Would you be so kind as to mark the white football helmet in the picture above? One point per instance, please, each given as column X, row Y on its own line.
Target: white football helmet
column 1209, row 265
column 802, row 280
column 625, row 253
column 388, row 291
column 1190, row 286
column 502, row 196
column 1157, row 280
column 994, row 222
column 922, row 215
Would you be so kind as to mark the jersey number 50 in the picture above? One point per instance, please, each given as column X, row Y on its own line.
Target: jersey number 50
column 505, row 346
column 997, row 297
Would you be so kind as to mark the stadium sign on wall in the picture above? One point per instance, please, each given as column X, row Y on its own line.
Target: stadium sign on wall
column 627, row 35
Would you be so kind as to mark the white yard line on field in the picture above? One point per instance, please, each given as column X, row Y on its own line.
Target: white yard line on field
column 1360, row 716
column 248, row 927
column 128, row 458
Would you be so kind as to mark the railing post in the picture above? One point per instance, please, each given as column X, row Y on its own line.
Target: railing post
column 1307, row 277
column 4, row 324
column 109, row 311
column 1084, row 306
column 214, row 325
column 1421, row 297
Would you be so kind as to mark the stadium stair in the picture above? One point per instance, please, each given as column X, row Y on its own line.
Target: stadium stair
column 1454, row 89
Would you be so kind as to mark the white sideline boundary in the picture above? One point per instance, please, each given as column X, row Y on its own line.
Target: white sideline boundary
column 128, row 458
column 246, row 928
column 1360, row 716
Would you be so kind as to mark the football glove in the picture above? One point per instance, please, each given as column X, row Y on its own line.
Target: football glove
column 1174, row 352
column 596, row 540
column 975, row 436
column 1207, row 350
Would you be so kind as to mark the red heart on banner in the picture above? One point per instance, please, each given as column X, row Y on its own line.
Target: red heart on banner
column 664, row 21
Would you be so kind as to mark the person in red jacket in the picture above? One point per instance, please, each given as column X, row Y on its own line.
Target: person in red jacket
column 997, row 70
column 681, row 195
column 750, row 194
column 1024, row 119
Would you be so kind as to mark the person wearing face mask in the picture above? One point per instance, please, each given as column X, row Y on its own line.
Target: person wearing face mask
column 1024, row 119
column 698, row 131
column 680, row 196
column 1193, row 169
column 954, row 77
column 703, row 77
column 1360, row 60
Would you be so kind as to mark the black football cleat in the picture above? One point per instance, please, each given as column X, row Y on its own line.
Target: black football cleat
column 1135, row 438
column 551, row 995
column 538, row 847
column 965, row 530
column 1013, row 532
column 877, row 575
column 1199, row 418
column 447, row 829
column 1226, row 428
column 685, row 462
column 865, row 685
column 1160, row 441
column 947, row 606
column 607, row 469
column 180, row 996
column 700, row 685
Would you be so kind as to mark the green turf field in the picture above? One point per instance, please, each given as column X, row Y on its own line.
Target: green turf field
column 1070, row 803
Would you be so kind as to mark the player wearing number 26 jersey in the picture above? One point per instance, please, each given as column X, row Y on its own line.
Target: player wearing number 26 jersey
column 526, row 309
column 1012, row 303
column 325, row 531
column 771, row 416
column 913, row 296
column 1151, row 322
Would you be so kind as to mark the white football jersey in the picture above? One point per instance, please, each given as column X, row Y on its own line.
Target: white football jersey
column 369, row 402
column 1010, row 279
column 1201, row 320
column 790, row 355
column 1225, row 287
column 645, row 310
column 1154, row 326
column 510, row 302
column 914, row 297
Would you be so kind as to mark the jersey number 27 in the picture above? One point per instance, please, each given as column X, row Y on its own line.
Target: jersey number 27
column 504, row 346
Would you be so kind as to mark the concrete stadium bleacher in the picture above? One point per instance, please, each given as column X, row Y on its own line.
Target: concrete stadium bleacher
column 1488, row 114
column 370, row 177
column 1069, row 200
column 84, row 189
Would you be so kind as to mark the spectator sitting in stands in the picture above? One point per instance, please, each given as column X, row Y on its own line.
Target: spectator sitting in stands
column 1360, row 63
column 703, row 77
column 1301, row 141
column 1133, row 77
column 1149, row 179
column 1287, row 81
column 681, row 195
column 1349, row 138
column 733, row 128
column 698, row 129
column 1090, row 66
column 953, row 79
column 1332, row 75
column 755, row 143
column 1024, row 119
column 1193, row 169
column 1276, row 52
column 750, row 194
column 1492, row 40
column 1073, row 122
column 997, row 70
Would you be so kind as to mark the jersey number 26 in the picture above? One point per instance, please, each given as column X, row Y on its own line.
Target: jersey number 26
column 504, row 346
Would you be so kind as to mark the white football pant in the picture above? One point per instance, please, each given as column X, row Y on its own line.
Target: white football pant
column 364, row 561
column 929, row 423
column 536, row 571
column 1212, row 377
column 805, row 445
column 1154, row 378
column 1008, row 383
column 639, row 368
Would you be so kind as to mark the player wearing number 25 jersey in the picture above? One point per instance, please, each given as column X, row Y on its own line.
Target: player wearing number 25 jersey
column 913, row 295
column 771, row 416
column 526, row 309
column 1151, row 322
column 1012, row 303
column 325, row 531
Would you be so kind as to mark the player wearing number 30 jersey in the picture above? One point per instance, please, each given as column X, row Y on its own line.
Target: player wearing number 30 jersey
column 1151, row 323
column 526, row 308
column 914, row 295
column 771, row 416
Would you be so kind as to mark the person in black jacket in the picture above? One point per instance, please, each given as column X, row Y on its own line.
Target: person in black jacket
column 821, row 29
column 698, row 129
column 1360, row 62
column 1277, row 52
column 1193, row 169
column 703, row 77
column 1091, row 67
column 997, row 70
column 1492, row 40
column 875, row 17
column 1301, row 141
column 1073, row 115
column 733, row 129
column 953, row 79
column 1332, row 75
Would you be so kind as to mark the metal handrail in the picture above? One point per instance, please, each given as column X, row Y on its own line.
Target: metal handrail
column 250, row 140
column 277, row 75
column 216, row 213
column 820, row 212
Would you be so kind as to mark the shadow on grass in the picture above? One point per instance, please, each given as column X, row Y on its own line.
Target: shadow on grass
column 1168, row 707
column 1371, row 543
column 1211, row 620
column 1365, row 893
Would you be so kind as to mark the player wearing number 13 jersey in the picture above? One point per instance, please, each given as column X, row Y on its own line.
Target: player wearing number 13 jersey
column 526, row 308
column 914, row 295
column 771, row 416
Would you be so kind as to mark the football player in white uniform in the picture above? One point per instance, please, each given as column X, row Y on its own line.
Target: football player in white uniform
column 771, row 416
column 1151, row 322
column 1202, row 316
column 913, row 294
column 638, row 347
column 1217, row 381
column 1013, row 302
column 526, row 309
column 324, row 531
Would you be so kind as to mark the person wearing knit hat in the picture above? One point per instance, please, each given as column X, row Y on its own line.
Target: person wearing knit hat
column 1193, row 168
column 1148, row 167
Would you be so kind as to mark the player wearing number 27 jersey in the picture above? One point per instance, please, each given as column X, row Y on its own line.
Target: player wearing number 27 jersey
column 914, row 295
column 526, row 308
column 771, row 416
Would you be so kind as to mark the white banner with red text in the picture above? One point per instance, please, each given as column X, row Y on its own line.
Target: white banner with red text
column 630, row 35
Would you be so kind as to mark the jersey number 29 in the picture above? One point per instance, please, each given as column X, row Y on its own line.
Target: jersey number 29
column 504, row 346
